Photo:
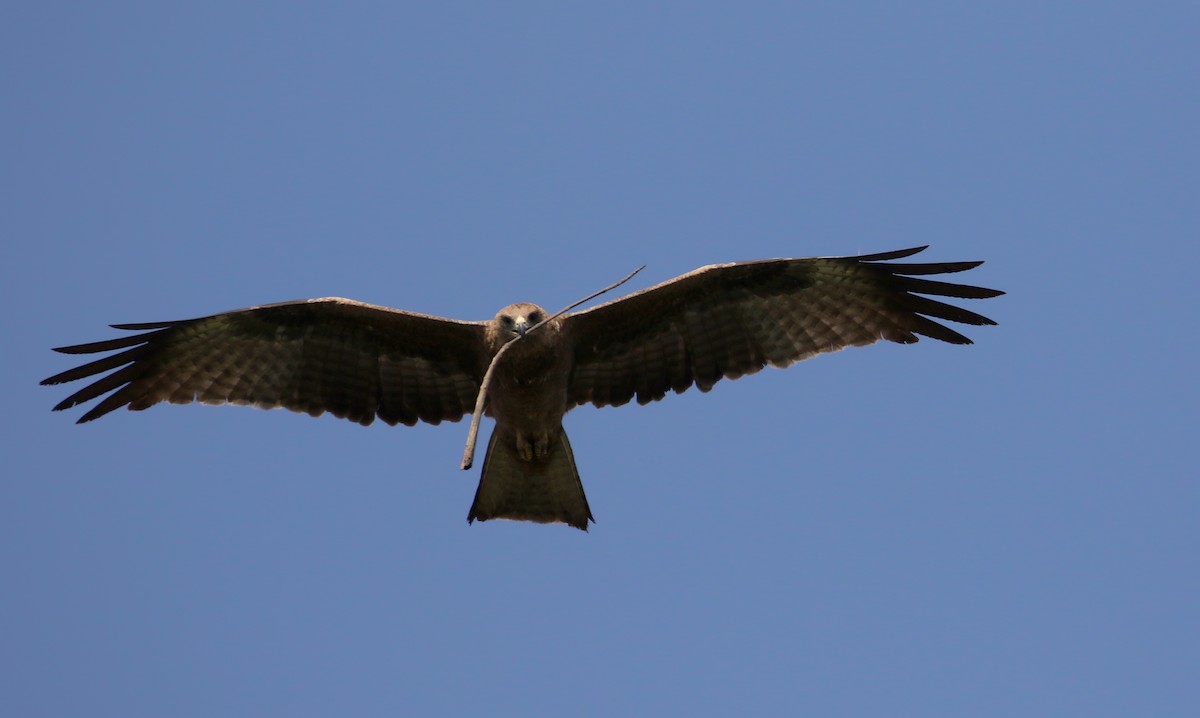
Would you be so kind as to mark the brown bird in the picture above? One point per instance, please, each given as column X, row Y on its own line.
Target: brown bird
column 359, row 361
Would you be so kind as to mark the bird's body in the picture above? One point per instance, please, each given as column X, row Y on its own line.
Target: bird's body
column 529, row 471
column 360, row 361
column 531, row 380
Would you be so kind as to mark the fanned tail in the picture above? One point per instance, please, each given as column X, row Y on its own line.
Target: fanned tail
column 546, row 490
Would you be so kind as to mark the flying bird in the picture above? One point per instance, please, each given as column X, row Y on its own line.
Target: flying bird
column 359, row 361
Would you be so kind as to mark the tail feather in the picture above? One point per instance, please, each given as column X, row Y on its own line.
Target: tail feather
column 546, row 490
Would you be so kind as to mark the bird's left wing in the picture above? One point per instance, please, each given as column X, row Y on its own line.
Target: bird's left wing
column 728, row 320
column 353, row 360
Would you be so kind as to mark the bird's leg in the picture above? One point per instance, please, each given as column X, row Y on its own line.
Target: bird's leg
column 541, row 446
column 533, row 446
column 524, row 448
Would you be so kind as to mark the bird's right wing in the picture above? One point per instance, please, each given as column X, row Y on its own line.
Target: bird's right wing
column 353, row 360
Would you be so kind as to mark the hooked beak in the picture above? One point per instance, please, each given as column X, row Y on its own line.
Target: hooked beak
column 521, row 326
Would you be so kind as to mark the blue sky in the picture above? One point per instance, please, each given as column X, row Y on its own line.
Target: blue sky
column 1003, row 529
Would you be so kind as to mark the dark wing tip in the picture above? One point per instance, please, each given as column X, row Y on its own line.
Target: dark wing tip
column 142, row 326
column 894, row 254
column 95, row 413
column 914, row 294
column 126, row 362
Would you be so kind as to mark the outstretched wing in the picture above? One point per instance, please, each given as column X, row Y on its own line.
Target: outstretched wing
column 728, row 320
column 354, row 360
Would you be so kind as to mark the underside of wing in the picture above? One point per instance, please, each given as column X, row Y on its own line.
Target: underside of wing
column 356, row 361
column 726, row 321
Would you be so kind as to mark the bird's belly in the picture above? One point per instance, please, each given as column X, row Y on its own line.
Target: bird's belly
column 528, row 406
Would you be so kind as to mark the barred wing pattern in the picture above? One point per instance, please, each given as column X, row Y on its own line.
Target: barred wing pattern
column 729, row 320
column 353, row 360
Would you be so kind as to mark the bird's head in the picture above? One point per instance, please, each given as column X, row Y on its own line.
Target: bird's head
column 516, row 319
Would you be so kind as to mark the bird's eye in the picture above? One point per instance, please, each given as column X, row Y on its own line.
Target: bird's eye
column 535, row 317
column 506, row 320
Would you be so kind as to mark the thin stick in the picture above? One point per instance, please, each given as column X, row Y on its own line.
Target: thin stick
column 473, row 433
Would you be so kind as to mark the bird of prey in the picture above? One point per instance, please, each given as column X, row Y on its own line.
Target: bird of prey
column 360, row 361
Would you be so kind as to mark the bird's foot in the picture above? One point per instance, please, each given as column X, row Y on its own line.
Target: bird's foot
column 531, row 447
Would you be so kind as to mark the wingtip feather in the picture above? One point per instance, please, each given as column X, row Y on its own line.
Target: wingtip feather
column 895, row 254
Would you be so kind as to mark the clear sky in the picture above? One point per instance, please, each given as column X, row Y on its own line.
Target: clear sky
column 1003, row 529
